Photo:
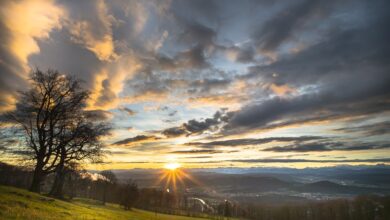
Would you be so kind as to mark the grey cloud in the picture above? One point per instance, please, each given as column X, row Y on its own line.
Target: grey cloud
column 368, row 98
column 100, row 115
column 378, row 160
column 342, row 54
column 206, row 85
column 131, row 162
column 129, row 111
column 202, row 83
column 6, row 143
column 333, row 146
column 150, row 146
column 281, row 27
column 193, row 58
column 172, row 113
column 77, row 11
column 165, row 62
column 107, row 95
column 61, row 56
column 197, row 126
column 198, row 33
column 200, row 157
column 174, row 132
column 144, row 82
column 136, row 139
column 337, row 75
column 259, row 141
column 348, row 69
column 380, row 128
column 198, row 38
column 118, row 152
column 195, row 39
column 163, row 108
column 201, row 9
column 197, row 152
column 245, row 54
column 300, row 148
column 19, row 152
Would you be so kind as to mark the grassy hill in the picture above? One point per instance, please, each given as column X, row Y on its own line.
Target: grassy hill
column 20, row 204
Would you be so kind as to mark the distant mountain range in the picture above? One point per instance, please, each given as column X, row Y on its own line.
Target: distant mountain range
column 345, row 180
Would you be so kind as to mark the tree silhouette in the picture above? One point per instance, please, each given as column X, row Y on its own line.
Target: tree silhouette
column 109, row 180
column 57, row 129
column 130, row 195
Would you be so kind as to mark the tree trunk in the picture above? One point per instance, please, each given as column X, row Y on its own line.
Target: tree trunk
column 56, row 190
column 71, row 186
column 37, row 179
column 104, row 193
column 58, row 185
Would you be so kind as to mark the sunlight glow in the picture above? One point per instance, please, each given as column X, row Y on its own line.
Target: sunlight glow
column 172, row 166
column 175, row 179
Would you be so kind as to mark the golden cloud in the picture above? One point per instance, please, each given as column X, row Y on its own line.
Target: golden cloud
column 109, row 82
column 218, row 100
column 149, row 96
column 282, row 90
column 27, row 22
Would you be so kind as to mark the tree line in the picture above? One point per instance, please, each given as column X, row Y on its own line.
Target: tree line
column 101, row 186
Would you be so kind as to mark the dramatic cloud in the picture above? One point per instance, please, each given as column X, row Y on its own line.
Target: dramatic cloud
column 197, row 127
column 256, row 76
column 282, row 26
column 23, row 23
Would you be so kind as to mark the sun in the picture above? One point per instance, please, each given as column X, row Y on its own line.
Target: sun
column 174, row 178
column 172, row 166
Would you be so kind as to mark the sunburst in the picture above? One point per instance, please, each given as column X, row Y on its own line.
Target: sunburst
column 173, row 175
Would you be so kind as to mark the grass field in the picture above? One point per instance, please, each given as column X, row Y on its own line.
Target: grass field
column 20, row 204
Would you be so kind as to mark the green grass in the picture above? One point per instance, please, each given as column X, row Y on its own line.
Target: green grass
column 20, row 204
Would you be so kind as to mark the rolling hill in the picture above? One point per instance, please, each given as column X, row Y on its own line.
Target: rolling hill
column 20, row 204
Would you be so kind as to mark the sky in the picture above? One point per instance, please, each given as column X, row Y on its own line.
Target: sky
column 206, row 83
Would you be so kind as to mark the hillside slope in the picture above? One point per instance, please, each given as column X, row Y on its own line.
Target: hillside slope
column 20, row 204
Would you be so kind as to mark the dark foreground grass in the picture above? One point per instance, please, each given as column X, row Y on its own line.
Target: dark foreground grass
column 20, row 204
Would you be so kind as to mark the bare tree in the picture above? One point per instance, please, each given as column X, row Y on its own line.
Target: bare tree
column 56, row 128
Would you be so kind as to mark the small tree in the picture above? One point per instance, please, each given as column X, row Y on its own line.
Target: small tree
column 227, row 209
column 109, row 179
column 130, row 195
column 52, row 119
